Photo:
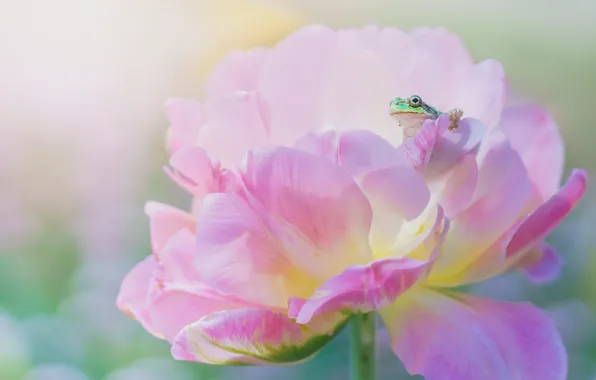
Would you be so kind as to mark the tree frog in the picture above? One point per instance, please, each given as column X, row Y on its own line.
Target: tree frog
column 412, row 112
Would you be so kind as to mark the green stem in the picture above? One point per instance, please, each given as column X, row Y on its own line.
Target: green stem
column 362, row 353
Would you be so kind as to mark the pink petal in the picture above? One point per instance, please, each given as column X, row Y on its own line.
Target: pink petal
column 173, row 306
column 434, row 149
column 451, row 146
column 361, row 152
column 500, row 197
column 312, row 207
column 534, row 134
column 542, row 221
column 356, row 90
column 385, row 176
column 482, row 93
column 322, row 142
column 254, row 336
column 361, row 288
column 546, row 266
column 395, row 190
column 455, row 336
column 194, row 171
column 418, row 150
column 186, row 118
column 291, row 81
column 165, row 221
column 238, row 71
column 459, row 186
column 237, row 254
column 132, row 298
column 177, row 296
column 435, row 62
column 234, row 125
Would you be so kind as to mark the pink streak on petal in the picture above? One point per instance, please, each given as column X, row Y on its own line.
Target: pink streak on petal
column 454, row 336
column 165, row 221
column 362, row 288
column 186, row 118
column 534, row 134
column 418, row 150
column 253, row 336
column 132, row 297
column 238, row 71
column 542, row 221
column 314, row 208
column 548, row 266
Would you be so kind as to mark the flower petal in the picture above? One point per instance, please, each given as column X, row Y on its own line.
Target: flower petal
column 361, row 288
column 165, row 221
column 186, row 118
column 455, row 336
column 543, row 220
column 234, row 125
column 132, row 298
column 435, row 149
column 291, row 81
column 238, row 71
column 459, row 187
column 364, row 288
column 172, row 306
column 254, row 336
column 482, row 93
column 176, row 295
column 312, row 207
column 534, row 134
column 393, row 187
column 194, row 171
column 237, row 254
column 499, row 200
column 435, row 61
column 545, row 266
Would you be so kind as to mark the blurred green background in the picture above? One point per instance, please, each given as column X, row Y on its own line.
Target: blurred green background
column 82, row 128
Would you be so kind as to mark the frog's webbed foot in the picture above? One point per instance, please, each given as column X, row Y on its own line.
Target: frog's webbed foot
column 455, row 116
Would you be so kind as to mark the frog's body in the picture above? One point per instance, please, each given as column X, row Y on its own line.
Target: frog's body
column 412, row 112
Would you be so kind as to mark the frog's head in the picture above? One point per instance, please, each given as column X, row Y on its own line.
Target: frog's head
column 412, row 106
column 411, row 113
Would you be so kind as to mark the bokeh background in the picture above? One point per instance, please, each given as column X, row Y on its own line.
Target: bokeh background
column 82, row 88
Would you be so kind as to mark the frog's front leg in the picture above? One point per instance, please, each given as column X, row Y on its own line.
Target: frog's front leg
column 455, row 116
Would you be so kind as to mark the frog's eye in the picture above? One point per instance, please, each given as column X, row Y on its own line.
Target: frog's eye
column 415, row 101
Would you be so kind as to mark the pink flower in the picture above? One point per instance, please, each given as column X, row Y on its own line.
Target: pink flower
column 330, row 212
column 223, row 284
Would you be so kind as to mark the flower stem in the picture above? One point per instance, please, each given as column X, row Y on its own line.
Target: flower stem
column 362, row 352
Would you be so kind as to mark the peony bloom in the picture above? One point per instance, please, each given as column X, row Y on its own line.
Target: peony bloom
column 308, row 207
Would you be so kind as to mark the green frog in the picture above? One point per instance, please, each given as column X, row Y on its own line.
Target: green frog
column 412, row 112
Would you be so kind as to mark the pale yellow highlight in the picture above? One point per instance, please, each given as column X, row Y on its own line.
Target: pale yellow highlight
column 242, row 24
